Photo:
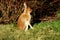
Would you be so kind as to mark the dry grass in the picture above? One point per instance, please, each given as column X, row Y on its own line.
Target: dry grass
column 41, row 31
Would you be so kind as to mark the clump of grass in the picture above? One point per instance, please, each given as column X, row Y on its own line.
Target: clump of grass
column 41, row 31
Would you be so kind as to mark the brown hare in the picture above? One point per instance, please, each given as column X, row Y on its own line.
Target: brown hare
column 24, row 19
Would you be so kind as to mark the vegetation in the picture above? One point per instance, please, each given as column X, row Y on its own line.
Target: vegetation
column 10, row 10
column 41, row 31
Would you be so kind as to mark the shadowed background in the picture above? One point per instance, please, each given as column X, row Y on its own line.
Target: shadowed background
column 43, row 10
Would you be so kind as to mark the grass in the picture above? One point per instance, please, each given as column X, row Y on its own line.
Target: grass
column 41, row 31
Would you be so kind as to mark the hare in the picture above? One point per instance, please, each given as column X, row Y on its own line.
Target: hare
column 24, row 19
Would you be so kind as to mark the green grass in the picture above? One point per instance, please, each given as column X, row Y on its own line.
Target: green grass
column 41, row 31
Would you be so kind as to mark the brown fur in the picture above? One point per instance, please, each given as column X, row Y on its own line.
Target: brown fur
column 24, row 18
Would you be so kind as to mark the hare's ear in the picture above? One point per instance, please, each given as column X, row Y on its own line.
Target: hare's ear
column 25, row 5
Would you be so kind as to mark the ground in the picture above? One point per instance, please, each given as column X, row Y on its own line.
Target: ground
column 41, row 31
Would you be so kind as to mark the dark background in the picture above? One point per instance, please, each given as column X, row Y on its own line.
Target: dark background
column 43, row 10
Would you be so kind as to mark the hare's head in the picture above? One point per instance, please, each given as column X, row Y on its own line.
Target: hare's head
column 27, row 8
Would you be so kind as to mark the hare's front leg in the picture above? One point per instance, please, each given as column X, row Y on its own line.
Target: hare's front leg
column 26, row 25
column 26, row 28
column 30, row 26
